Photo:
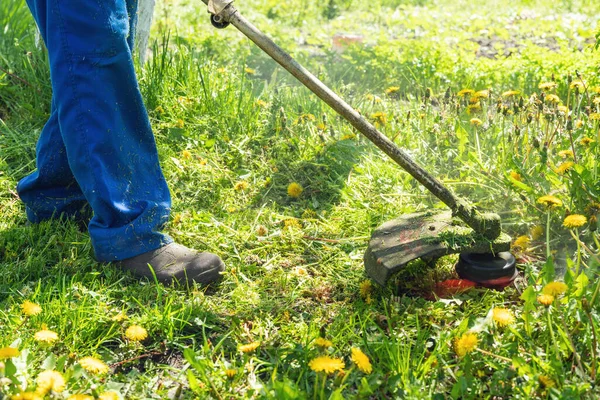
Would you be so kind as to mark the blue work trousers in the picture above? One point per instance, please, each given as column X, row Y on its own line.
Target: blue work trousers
column 97, row 147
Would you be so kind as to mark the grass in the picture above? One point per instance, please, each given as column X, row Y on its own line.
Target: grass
column 234, row 130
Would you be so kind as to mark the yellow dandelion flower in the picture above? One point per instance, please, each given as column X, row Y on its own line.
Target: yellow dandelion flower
column 586, row 141
column 552, row 98
column 29, row 308
column 361, row 360
column 248, row 348
column 502, row 316
column 93, row 365
column 249, row 71
column 522, row 242
column 510, row 93
column 596, row 101
column 26, row 396
column 50, row 381
column 294, row 190
column 292, row 223
column 186, row 154
column 241, row 185
column 392, row 90
column 348, row 136
column 110, row 395
column 300, row 271
column 546, row 381
column 136, row 333
column 545, row 299
column 476, row 121
column 180, row 123
column 549, row 201
column 474, row 108
column 159, row 110
column 574, row 221
column 230, row 373
column 482, row 94
column 566, row 153
column 370, row 97
column 577, row 84
column 516, row 176
column 555, row 288
column 465, row 344
column 326, row 364
column 578, row 123
column 80, row 396
column 537, row 232
column 322, row 342
column 379, row 117
column 563, row 109
column 8, row 352
column 465, row 92
column 365, row 288
column 564, row 167
column 262, row 103
column 46, row 336
column 546, row 86
column 595, row 117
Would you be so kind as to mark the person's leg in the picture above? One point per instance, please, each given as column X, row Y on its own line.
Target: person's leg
column 52, row 191
column 108, row 140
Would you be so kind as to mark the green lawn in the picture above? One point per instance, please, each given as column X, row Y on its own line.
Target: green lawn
column 234, row 130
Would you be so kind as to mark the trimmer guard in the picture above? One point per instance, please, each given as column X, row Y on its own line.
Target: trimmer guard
column 428, row 235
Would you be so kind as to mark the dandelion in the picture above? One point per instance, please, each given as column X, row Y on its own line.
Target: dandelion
column 510, row 93
column 292, row 223
column 578, row 124
column 8, row 352
column 294, row 190
column 230, row 373
column 476, row 122
column 241, row 185
column 586, row 141
column 248, row 348
column 361, row 360
column 80, row 396
column 365, row 288
column 465, row 344
column 326, row 364
column 537, row 232
column 46, row 336
column 482, row 94
column 577, row 85
column 549, row 201
column 546, row 381
column 565, row 153
column 522, row 242
column 249, row 71
column 563, row 109
column 502, row 316
column 262, row 103
column 50, row 381
column 29, row 308
column 546, row 86
column 322, row 342
column 93, row 365
column 26, row 396
column 465, row 92
column 300, row 271
column 474, row 108
column 555, row 288
column 379, row 117
column 136, row 333
column 180, row 123
column 262, row 230
column 545, row 299
column 391, row 90
column 574, row 221
column 516, row 176
column 110, row 395
column 595, row 117
column 564, row 167
column 186, row 154
column 552, row 98
column 159, row 110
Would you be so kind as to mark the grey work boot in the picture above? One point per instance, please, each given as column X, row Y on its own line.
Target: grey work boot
column 175, row 263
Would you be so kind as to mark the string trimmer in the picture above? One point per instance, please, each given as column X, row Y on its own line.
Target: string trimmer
column 428, row 235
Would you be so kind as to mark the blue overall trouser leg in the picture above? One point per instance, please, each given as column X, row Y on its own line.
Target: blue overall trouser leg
column 97, row 147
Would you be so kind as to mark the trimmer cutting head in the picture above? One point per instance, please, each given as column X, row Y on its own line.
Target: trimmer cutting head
column 428, row 235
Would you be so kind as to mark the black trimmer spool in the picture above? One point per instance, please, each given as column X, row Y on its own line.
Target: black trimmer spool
column 490, row 270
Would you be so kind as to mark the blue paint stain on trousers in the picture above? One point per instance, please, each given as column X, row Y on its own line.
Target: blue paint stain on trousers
column 97, row 147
